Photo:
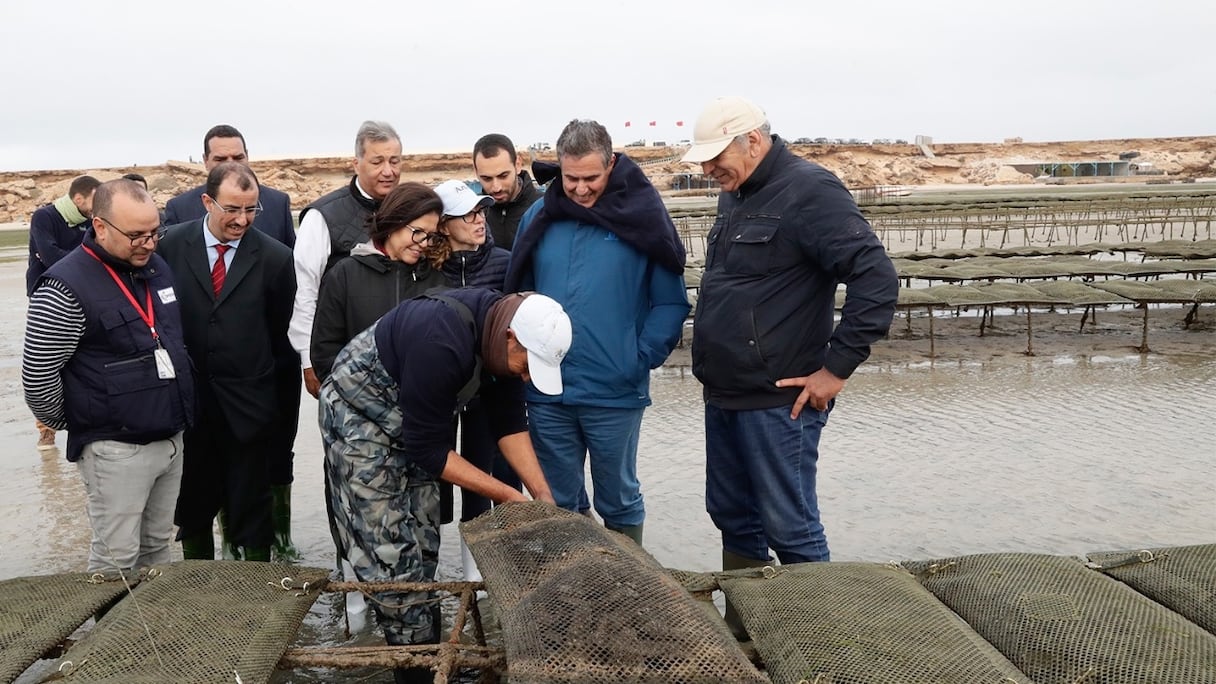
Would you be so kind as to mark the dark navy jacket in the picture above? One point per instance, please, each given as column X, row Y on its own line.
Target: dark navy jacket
column 275, row 219
column 110, row 385
column 485, row 266
column 779, row 247
column 51, row 238
column 431, row 352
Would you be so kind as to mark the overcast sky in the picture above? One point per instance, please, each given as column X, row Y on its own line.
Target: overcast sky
column 90, row 84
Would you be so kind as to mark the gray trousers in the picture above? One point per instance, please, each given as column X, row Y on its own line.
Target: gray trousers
column 132, row 493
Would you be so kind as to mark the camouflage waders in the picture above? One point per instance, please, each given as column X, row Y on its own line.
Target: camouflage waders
column 385, row 508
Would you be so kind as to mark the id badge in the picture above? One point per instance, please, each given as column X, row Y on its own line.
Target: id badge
column 164, row 365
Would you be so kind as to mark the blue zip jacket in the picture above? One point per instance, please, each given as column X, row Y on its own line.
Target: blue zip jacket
column 626, row 311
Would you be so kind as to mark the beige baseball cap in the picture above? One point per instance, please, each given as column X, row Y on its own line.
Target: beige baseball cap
column 721, row 122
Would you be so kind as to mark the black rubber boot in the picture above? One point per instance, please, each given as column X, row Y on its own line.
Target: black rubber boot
column 284, row 550
column 733, row 561
column 413, row 675
column 198, row 546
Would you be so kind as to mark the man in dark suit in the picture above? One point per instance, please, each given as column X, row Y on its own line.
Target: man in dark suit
column 223, row 143
column 236, row 287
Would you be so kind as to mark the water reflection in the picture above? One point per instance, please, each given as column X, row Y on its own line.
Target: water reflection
column 920, row 460
column 1057, row 455
column 1062, row 455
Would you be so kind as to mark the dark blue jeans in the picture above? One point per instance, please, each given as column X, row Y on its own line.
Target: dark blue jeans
column 564, row 435
column 760, row 482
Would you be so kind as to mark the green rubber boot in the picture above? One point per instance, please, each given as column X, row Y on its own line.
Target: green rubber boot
column 255, row 553
column 199, row 546
column 228, row 550
column 733, row 561
column 634, row 532
column 284, row 550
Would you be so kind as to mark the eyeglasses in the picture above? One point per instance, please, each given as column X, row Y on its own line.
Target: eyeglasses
column 422, row 237
column 139, row 239
column 472, row 216
column 251, row 212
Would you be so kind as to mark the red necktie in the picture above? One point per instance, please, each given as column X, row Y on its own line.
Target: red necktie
column 219, row 270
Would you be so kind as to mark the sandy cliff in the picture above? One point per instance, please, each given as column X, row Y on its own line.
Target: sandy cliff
column 858, row 165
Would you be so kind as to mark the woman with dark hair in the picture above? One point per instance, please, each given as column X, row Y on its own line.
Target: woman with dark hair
column 468, row 258
column 379, row 274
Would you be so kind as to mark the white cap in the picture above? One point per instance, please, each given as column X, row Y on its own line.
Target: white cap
column 459, row 199
column 543, row 328
column 722, row 121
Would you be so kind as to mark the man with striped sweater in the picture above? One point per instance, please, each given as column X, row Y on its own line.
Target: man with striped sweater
column 105, row 359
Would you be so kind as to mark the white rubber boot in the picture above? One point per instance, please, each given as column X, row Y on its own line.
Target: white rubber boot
column 471, row 573
column 356, row 604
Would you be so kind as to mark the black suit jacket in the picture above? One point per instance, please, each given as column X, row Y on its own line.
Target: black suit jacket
column 275, row 219
column 235, row 339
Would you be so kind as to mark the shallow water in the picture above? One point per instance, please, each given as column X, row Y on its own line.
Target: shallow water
column 1056, row 455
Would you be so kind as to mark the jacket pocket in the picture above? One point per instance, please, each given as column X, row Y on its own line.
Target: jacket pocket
column 135, row 395
column 750, row 244
column 131, row 375
column 126, row 332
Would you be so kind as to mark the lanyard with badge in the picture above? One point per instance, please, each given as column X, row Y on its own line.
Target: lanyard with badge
column 164, row 364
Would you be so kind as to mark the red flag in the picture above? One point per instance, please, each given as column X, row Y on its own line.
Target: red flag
column 626, row 124
column 679, row 123
column 654, row 123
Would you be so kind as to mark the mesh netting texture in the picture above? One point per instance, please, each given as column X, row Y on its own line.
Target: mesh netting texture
column 1062, row 623
column 579, row 603
column 1182, row 578
column 199, row 621
column 38, row 613
column 859, row 623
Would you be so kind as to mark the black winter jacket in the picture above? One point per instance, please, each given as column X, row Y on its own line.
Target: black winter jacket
column 503, row 219
column 779, row 247
column 355, row 293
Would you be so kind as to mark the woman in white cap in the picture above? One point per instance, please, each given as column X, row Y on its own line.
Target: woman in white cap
column 467, row 257
column 386, row 413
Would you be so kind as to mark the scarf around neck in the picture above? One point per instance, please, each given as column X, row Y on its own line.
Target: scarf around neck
column 630, row 208
column 67, row 209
